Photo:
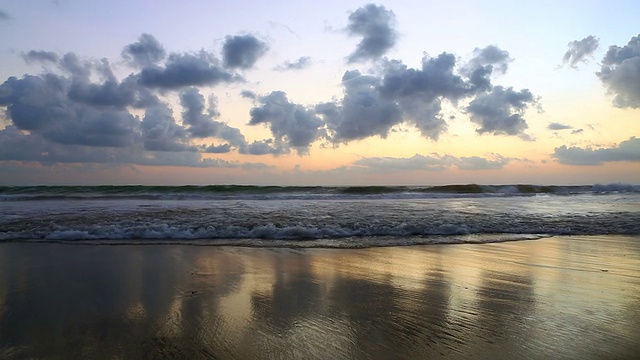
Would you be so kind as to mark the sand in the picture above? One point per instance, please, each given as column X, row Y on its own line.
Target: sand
column 554, row 298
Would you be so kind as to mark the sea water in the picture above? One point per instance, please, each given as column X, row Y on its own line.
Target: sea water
column 341, row 217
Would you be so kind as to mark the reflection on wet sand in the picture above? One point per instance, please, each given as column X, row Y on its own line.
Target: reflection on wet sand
column 547, row 298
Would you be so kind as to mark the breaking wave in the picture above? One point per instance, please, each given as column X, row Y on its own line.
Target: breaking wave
column 211, row 192
column 355, row 221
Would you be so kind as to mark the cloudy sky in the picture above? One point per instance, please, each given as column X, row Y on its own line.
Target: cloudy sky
column 319, row 93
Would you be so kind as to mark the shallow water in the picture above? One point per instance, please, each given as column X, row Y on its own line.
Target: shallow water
column 560, row 298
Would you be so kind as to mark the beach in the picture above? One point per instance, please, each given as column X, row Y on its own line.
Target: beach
column 563, row 297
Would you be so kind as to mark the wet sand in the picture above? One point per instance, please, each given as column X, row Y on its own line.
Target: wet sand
column 555, row 298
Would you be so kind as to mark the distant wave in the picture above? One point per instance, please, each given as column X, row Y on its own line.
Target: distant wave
column 193, row 192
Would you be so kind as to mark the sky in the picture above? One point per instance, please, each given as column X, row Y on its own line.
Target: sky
column 319, row 93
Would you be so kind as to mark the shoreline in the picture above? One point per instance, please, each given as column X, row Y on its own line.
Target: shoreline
column 355, row 242
column 557, row 297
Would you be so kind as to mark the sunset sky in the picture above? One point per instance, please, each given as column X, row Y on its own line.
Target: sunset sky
column 319, row 93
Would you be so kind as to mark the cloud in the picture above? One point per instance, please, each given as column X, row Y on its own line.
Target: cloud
column 376, row 26
column 579, row 50
column 558, row 126
column 80, row 104
column 375, row 103
column 620, row 73
column 63, row 114
column 628, row 150
column 500, row 112
column 416, row 162
column 242, row 51
column 436, row 78
column 40, row 104
column 18, row 146
column 298, row 64
column 77, row 68
column 79, row 88
column 265, row 147
column 434, row 162
column 112, row 93
column 362, row 112
column 492, row 56
column 289, row 123
column 479, row 163
column 147, row 51
column 217, row 149
column 41, row 56
column 160, row 132
column 4, row 16
column 248, row 94
column 182, row 70
column 201, row 123
column 418, row 93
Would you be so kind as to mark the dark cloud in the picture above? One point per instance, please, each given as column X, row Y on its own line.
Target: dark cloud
column 362, row 112
column 289, row 123
column 500, row 112
column 419, row 92
column 72, row 64
column 620, row 72
column 4, row 15
column 299, row 64
column 33, row 100
column 147, row 51
column 182, row 70
column 242, row 51
column 217, row 149
column 376, row 26
column 111, row 93
column 92, row 127
column 40, row 104
column 40, row 56
column 558, row 126
column 80, row 111
column 19, row 146
column 492, row 56
column 201, row 123
column 577, row 131
column 579, row 50
column 248, row 94
column 628, row 150
column 373, row 104
column 435, row 79
column 160, row 132
column 66, row 116
column 266, row 147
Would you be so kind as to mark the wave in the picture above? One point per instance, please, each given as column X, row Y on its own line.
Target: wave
column 173, row 226
column 207, row 192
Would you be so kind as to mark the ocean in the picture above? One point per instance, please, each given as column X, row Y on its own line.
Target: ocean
column 320, row 272
column 329, row 217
